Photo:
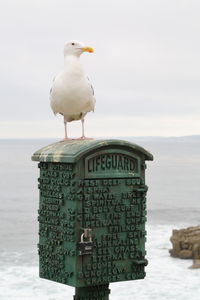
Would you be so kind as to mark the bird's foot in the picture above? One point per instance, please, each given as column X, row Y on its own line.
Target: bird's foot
column 84, row 138
column 66, row 139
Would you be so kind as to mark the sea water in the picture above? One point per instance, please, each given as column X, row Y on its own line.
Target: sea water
column 173, row 202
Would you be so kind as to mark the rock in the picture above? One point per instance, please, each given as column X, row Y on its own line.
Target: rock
column 186, row 244
column 196, row 264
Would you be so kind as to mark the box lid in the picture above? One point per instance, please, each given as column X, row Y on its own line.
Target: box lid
column 72, row 150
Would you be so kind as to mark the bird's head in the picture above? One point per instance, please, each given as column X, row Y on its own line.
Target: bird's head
column 76, row 48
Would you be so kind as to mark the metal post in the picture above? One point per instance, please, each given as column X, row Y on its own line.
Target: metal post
column 99, row 292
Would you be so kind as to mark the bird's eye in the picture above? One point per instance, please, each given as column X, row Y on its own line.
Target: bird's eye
column 73, row 44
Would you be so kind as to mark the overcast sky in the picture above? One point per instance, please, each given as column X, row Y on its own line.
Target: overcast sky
column 145, row 69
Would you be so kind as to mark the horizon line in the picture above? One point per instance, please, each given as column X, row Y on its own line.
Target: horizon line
column 108, row 137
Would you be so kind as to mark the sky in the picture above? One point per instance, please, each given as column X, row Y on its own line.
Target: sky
column 145, row 69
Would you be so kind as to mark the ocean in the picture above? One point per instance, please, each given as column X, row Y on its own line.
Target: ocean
column 173, row 200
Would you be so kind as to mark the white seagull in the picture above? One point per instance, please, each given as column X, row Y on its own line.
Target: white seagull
column 72, row 94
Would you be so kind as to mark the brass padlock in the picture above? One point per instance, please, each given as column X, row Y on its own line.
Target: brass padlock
column 86, row 245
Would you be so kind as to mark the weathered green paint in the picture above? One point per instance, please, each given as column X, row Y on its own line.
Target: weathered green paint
column 97, row 185
column 72, row 150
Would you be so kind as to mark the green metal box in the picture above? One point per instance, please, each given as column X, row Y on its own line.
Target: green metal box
column 92, row 212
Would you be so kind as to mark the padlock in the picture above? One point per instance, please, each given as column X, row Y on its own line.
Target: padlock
column 85, row 246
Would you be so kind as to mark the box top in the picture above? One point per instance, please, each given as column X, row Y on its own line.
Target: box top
column 72, row 150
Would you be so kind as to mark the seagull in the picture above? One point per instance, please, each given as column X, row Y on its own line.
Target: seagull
column 72, row 94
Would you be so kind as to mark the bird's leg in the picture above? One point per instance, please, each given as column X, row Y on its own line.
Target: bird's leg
column 66, row 137
column 83, row 137
column 83, row 128
column 65, row 125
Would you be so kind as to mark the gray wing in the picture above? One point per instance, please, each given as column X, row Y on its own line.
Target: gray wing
column 91, row 86
column 52, row 82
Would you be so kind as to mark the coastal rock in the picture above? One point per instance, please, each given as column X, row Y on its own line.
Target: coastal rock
column 186, row 244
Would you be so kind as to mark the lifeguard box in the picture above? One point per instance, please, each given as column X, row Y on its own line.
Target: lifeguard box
column 92, row 212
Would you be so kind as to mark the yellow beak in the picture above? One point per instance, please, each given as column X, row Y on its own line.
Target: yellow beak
column 87, row 49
